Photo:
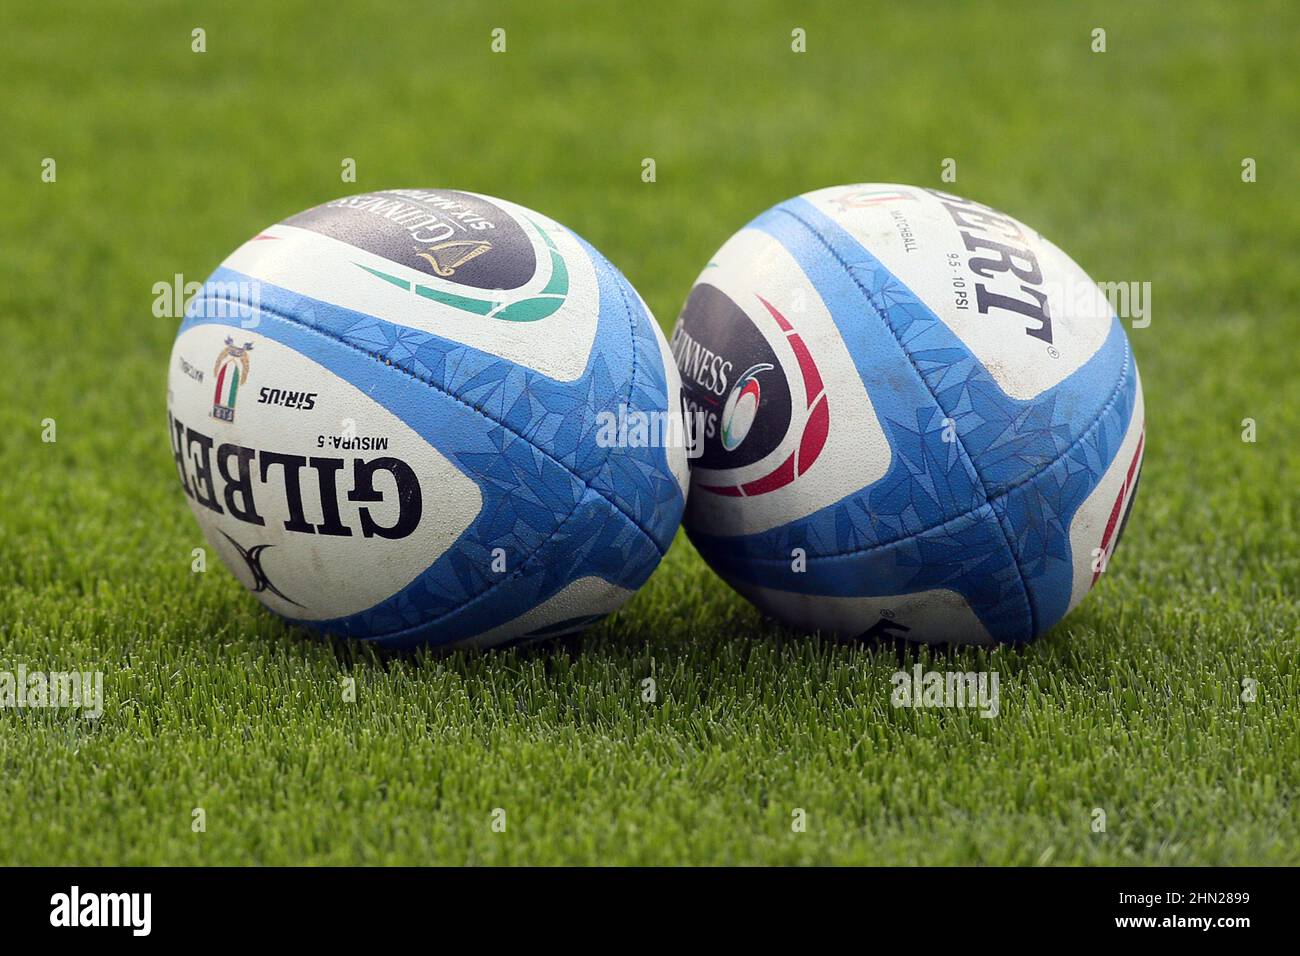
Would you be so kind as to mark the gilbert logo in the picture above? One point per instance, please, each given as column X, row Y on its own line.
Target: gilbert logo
column 1000, row 252
column 102, row 909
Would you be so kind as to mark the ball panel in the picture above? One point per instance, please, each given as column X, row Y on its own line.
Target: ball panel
column 1055, row 520
column 339, row 254
column 459, row 600
column 1006, row 294
column 766, row 311
column 576, row 607
column 273, row 448
column 927, row 617
column 1005, row 438
column 470, row 240
column 646, row 471
column 964, row 561
column 1099, row 521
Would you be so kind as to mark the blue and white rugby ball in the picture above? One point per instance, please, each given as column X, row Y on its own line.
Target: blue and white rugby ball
column 920, row 418
column 423, row 416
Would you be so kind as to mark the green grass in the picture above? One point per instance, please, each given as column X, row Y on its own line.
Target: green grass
column 167, row 160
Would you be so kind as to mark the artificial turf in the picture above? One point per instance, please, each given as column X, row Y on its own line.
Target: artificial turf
column 167, row 159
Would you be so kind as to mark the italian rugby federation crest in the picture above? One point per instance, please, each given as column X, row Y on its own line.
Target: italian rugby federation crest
column 231, row 371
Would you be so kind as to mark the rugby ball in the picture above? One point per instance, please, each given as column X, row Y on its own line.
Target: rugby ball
column 428, row 417
column 917, row 418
